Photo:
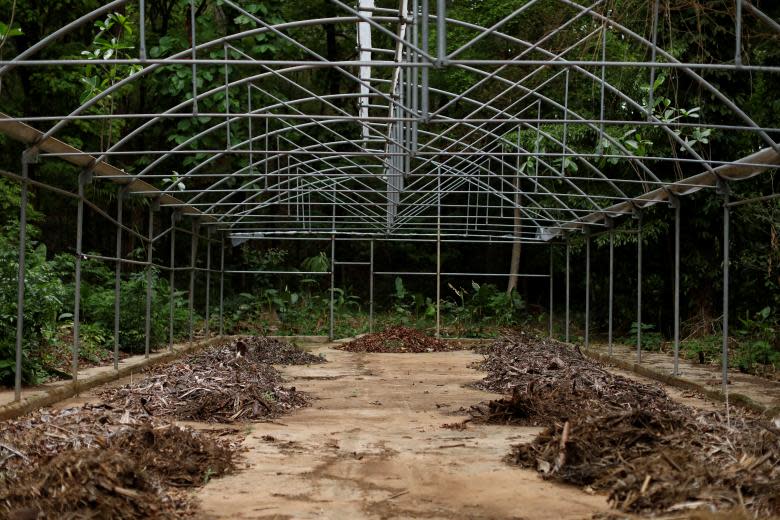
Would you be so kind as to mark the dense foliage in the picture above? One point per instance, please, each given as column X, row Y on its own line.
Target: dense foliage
column 691, row 31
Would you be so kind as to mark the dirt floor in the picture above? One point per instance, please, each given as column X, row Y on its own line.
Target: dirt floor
column 372, row 446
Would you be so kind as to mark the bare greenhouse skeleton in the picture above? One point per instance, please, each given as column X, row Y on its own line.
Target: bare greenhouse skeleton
column 392, row 181
column 383, row 160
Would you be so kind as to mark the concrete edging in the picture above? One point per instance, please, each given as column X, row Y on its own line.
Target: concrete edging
column 685, row 384
column 67, row 390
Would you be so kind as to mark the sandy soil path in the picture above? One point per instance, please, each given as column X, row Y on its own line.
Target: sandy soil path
column 372, row 446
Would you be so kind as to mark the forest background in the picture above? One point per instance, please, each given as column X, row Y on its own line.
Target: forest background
column 700, row 31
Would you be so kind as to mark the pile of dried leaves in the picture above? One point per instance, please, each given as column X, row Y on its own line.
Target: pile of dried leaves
column 396, row 339
column 261, row 349
column 221, row 384
column 86, row 484
column 548, row 380
column 100, row 462
column 118, row 460
column 607, row 432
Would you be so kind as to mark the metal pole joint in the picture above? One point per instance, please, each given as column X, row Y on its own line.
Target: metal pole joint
column 31, row 155
column 86, row 176
column 722, row 188
column 586, row 230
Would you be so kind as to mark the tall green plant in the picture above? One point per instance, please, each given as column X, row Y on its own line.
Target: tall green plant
column 98, row 307
column 44, row 291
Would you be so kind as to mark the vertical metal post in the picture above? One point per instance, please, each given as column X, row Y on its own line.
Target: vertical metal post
column 371, row 290
column 194, row 57
column 468, row 207
column 249, row 124
column 550, row 324
column 193, row 258
column 222, row 287
column 438, row 253
column 653, row 51
column 84, row 178
column 227, row 97
column 537, row 142
column 603, row 76
column 726, row 247
column 416, row 75
column 406, row 101
column 149, row 257
column 332, row 281
column 20, row 280
column 611, row 287
column 568, row 256
column 332, row 265
column 172, row 280
column 424, row 94
column 208, row 280
column 120, row 198
column 676, row 203
column 142, row 29
column 587, row 287
column 565, row 124
column 298, row 197
column 639, row 292
column 738, row 34
column 441, row 32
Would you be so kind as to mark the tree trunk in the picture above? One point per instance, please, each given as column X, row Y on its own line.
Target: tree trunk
column 334, row 77
column 514, row 265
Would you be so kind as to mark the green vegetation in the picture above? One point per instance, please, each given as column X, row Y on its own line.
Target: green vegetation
column 480, row 310
column 299, row 304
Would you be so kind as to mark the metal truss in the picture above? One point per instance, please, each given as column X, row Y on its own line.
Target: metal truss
column 398, row 153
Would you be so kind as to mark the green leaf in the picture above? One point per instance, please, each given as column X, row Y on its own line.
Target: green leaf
column 6, row 33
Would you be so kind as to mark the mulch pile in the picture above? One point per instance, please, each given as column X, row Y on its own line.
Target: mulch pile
column 609, row 433
column 87, row 484
column 222, row 384
column 101, row 462
column 548, row 379
column 261, row 349
column 118, row 459
column 397, row 339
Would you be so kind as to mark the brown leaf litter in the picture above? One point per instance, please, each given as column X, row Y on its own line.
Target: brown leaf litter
column 397, row 340
column 631, row 440
column 262, row 349
column 119, row 460
column 219, row 384
column 100, row 462
column 87, row 484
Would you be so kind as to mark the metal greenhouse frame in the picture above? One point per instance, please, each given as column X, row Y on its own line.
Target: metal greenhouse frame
column 387, row 168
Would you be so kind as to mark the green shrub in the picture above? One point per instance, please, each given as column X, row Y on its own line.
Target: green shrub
column 98, row 308
column 757, row 337
column 43, row 290
column 487, row 303
column 44, row 296
column 651, row 340
column 707, row 348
